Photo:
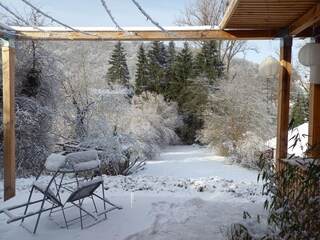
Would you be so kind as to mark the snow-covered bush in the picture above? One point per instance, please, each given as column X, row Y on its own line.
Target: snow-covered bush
column 236, row 120
column 33, row 143
column 153, row 123
column 128, row 130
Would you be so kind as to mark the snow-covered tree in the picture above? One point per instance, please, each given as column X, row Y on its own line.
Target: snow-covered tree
column 236, row 122
column 210, row 12
column 35, row 88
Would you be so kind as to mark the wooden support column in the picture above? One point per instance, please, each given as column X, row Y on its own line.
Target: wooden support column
column 8, row 82
column 314, row 118
column 283, row 100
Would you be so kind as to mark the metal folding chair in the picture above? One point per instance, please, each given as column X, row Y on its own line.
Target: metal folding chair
column 84, row 163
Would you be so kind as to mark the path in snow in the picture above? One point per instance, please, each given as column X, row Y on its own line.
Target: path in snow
column 194, row 161
column 188, row 193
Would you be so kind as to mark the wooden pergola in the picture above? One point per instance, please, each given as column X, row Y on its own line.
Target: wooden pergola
column 244, row 20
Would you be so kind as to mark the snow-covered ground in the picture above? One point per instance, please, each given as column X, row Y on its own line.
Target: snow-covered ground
column 187, row 193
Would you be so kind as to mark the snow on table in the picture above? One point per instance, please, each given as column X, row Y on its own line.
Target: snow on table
column 187, row 193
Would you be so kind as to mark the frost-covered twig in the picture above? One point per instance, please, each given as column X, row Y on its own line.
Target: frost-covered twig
column 132, row 164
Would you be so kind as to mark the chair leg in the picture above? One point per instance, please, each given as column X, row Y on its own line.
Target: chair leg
column 27, row 206
column 104, row 203
column 80, row 214
column 39, row 215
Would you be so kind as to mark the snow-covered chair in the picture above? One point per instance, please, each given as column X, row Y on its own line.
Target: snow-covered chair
column 78, row 163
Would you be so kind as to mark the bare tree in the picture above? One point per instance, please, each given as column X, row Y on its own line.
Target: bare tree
column 76, row 88
column 210, row 12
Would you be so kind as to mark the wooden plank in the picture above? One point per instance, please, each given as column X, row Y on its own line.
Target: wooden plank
column 305, row 21
column 8, row 81
column 230, row 11
column 142, row 35
column 283, row 100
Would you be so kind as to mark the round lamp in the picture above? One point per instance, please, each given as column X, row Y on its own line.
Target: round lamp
column 269, row 67
column 309, row 55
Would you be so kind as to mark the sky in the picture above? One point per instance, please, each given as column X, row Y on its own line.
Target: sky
column 90, row 13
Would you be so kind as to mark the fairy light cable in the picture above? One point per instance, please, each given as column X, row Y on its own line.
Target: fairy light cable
column 154, row 22
column 104, row 4
column 57, row 21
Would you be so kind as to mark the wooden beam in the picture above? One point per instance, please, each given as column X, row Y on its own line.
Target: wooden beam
column 283, row 100
column 103, row 34
column 314, row 118
column 8, row 81
column 305, row 21
column 229, row 13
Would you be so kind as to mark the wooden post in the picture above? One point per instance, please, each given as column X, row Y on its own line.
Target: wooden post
column 283, row 100
column 8, row 82
column 314, row 118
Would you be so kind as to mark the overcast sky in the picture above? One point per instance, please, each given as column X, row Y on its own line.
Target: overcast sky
column 90, row 13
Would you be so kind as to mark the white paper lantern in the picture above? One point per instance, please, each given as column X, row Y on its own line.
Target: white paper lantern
column 269, row 67
column 309, row 55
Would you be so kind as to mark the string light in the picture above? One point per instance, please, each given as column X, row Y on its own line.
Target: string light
column 104, row 4
column 61, row 23
column 154, row 22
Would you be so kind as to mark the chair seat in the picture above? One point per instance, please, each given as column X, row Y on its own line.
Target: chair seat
column 85, row 189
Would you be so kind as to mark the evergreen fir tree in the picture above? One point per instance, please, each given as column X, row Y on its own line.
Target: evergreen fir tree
column 170, row 73
column 142, row 76
column 118, row 72
column 299, row 113
column 207, row 62
column 156, row 66
column 184, row 66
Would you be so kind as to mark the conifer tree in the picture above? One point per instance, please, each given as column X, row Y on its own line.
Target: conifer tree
column 156, row 66
column 118, row 72
column 172, row 84
column 299, row 113
column 184, row 66
column 142, row 76
column 207, row 62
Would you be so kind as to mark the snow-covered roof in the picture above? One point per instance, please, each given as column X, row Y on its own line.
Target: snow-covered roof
column 301, row 146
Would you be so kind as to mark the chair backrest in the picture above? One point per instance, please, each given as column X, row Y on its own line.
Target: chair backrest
column 81, row 161
column 73, row 162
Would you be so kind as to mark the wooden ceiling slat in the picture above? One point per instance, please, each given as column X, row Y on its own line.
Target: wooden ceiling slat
column 274, row 14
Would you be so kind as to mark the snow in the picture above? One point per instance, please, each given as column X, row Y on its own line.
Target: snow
column 302, row 144
column 55, row 161
column 187, row 193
